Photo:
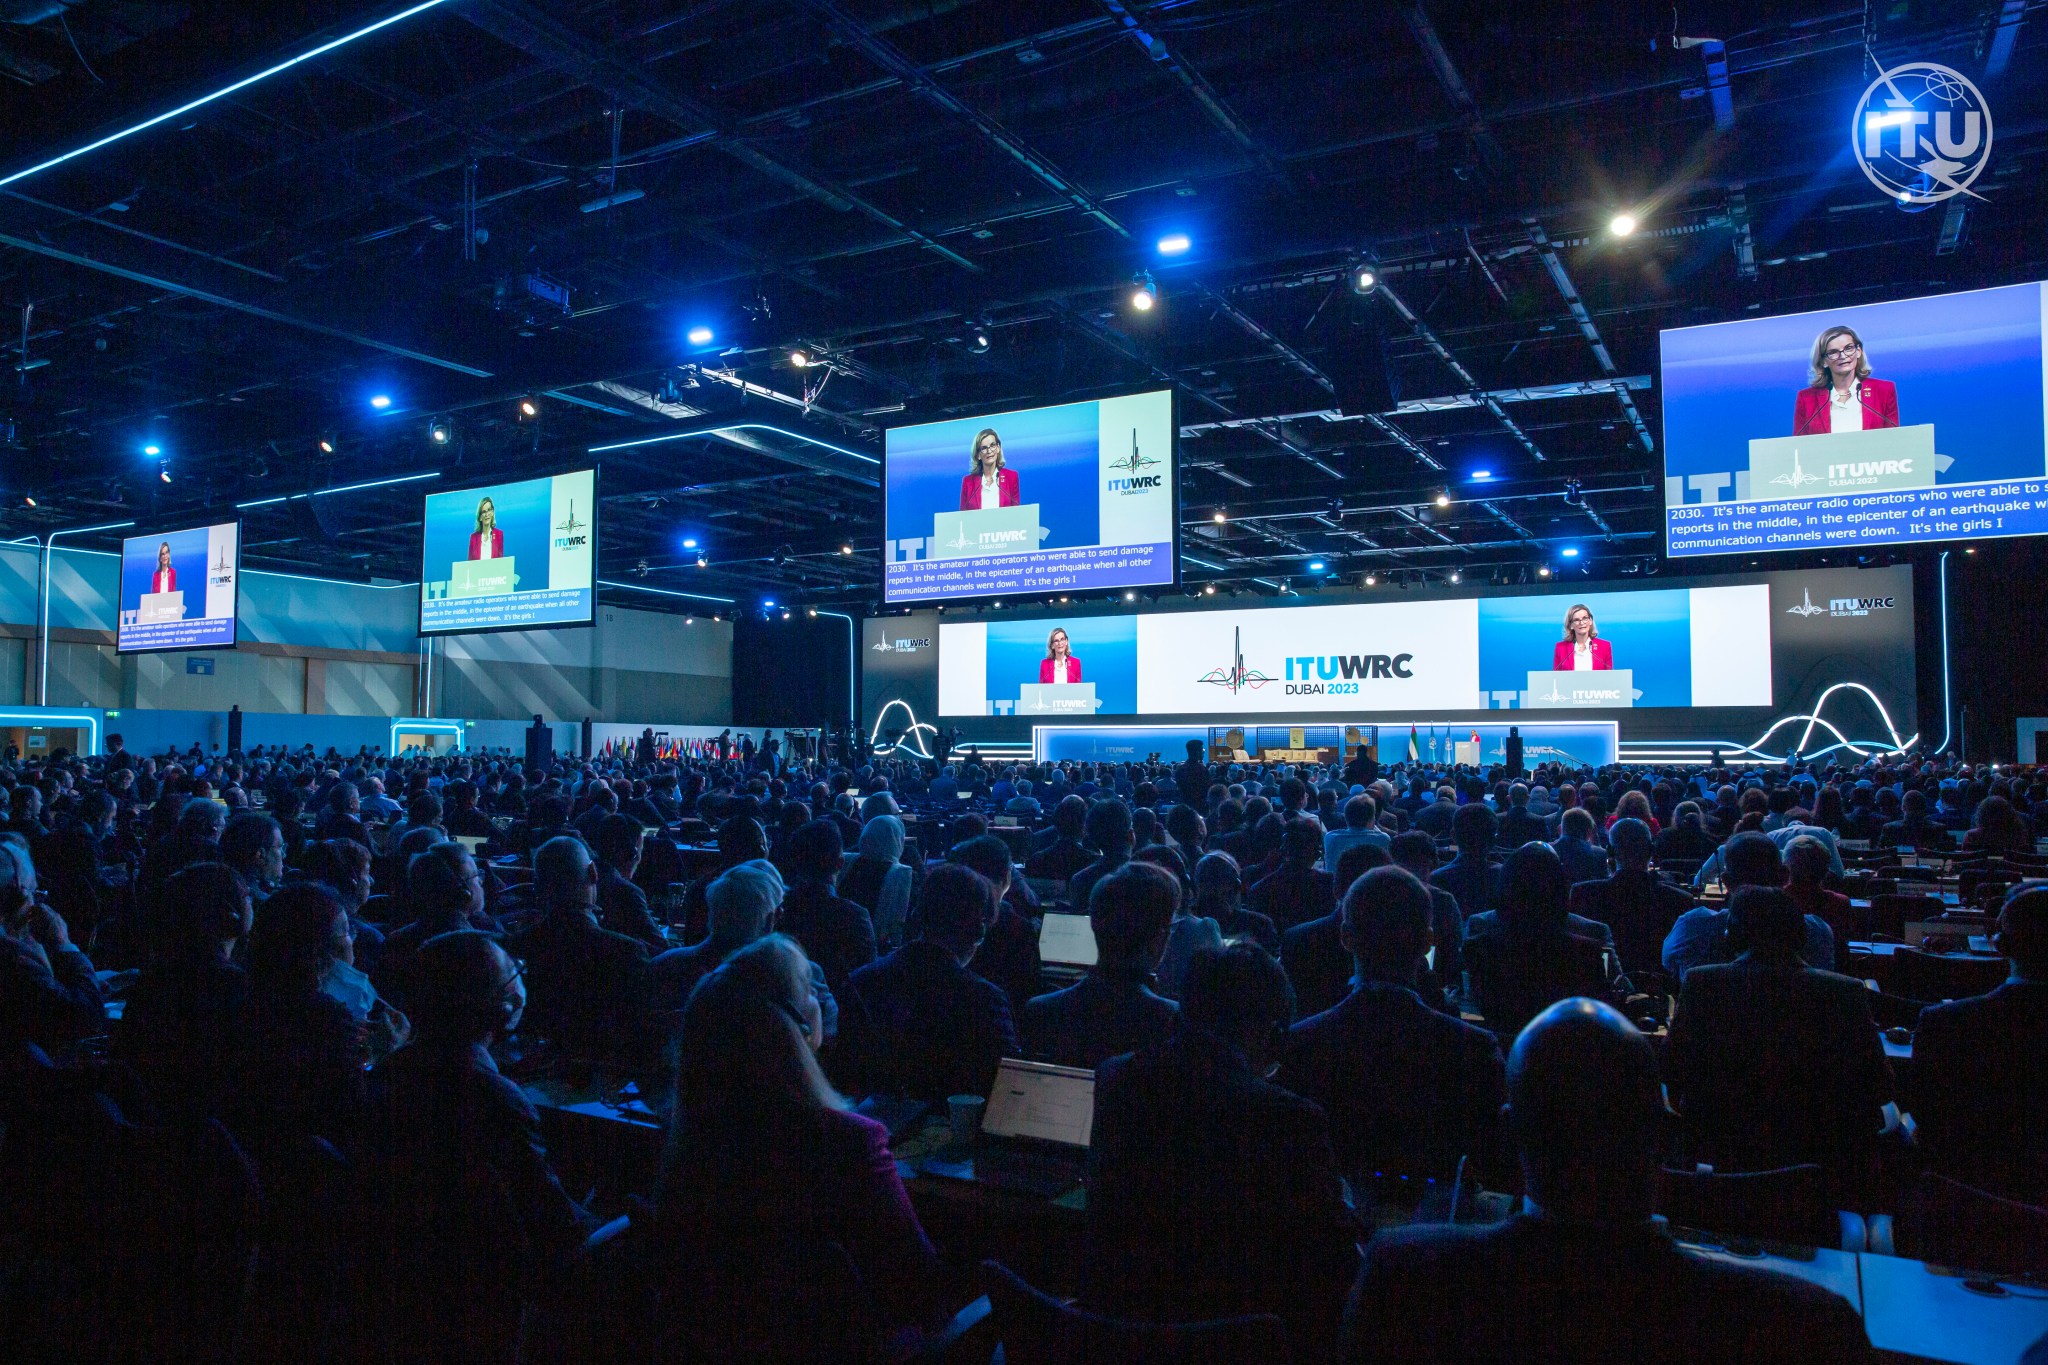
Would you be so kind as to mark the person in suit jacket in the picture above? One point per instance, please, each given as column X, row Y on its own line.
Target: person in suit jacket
column 835, row 933
column 1840, row 395
column 1008, row 957
column 988, row 482
column 1581, row 1273
column 744, row 902
column 487, row 541
column 1581, row 649
column 1416, row 851
column 1582, row 859
column 1532, row 959
column 1214, row 1191
column 1980, row 1067
column 1773, row 1062
column 1318, row 963
column 1113, row 1009
column 925, row 1025
column 1296, row 891
column 1471, row 876
column 1066, row 854
column 1637, row 909
column 1060, row 665
column 584, row 981
column 468, row 1217
column 165, row 579
column 622, row 905
column 1915, row 828
column 1409, row 1089
column 1520, row 825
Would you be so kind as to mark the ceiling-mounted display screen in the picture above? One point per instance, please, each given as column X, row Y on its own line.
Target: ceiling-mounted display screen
column 1075, row 498
column 179, row 589
column 1894, row 423
column 510, row 556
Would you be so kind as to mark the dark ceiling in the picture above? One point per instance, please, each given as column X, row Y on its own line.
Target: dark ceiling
column 423, row 213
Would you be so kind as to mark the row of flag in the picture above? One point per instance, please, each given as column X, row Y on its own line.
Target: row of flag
column 1415, row 747
column 669, row 751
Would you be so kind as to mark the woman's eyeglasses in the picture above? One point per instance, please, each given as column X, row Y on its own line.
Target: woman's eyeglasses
column 1841, row 352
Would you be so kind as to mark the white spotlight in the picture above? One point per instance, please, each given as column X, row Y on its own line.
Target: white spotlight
column 1622, row 224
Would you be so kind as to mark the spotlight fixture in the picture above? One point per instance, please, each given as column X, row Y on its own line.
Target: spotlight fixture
column 1371, row 579
column 812, row 612
column 29, row 499
column 977, row 342
column 440, row 431
column 785, row 616
column 380, row 401
column 1315, row 566
column 529, row 408
column 163, row 471
column 1144, row 293
column 1455, row 576
column 1443, row 500
column 689, row 542
column 1481, row 475
column 1219, row 518
column 1130, row 597
column 1365, row 277
column 1622, row 224
column 1174, row 244
column 1570, row 552
column 846, row 549
column 1543, row 571
column 327, row 443
column 152, row 449
column 800, row 359
column 699, row 335
column 701, row 561
column 1209, row 590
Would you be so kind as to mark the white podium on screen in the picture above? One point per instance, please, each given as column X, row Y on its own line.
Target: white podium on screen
column 158, row 607
column 1565, row 690
column 1056, row 699
column 483, row 577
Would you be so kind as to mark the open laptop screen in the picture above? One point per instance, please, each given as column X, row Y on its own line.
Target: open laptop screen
column 1066, row 941
column 1047, row 1103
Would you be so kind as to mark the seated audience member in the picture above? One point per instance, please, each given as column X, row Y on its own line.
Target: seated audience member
column 181, row 1026
column 1773, row 1062
column 48, row 993
column 1794, row 826
column 1470, row 876
column 835, row 933
column 345, row 867
column 463, row 818
column 1582, row 859
column 878, row 880
column 1113, row 1009
column 768, row 1176
column 342, row 817
column 1862, row 821
column 1915, row 828
column 1319, row 967
column 1110, row 830
column 1685, row 838
column 740, row 839
column 1518, row 825
column 746, row 904
column 469, row 1218
column 300, row 1069
column 1531, row 959
column 1636, row 907
column 1408, row 1089
column 1009, row 951
column 1296, row 891
column 1980, row 1067
column 1059, row 860
column 622, row 906
column 1214, row 1191
column 928, row 1026
column 1361, row 826
column 1416, row 851
column 1806, row 872
column 252, row 844
column 1998, row 828
column 1581, row 1273
column 583, row 982
column 1701, row 933
column 1219, row 895
column 1439, row 817
column 443, row 893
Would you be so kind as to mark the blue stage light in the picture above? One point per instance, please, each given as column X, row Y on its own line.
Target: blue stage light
column 380, row 401
column 700, row 335
column 1174, row 244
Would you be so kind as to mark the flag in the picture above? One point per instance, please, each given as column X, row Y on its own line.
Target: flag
column 1414, row 750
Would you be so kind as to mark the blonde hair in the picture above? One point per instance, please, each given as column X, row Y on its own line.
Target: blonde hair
column 1817, row 366
column 743, row 1044
column 974, row 451
column 486, row 501
column 1577, row 607
column 1059, row 630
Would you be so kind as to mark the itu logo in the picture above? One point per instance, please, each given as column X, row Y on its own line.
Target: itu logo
column 1236, row 677
column 1922, row 133
column 1807, row 606
column 1798, row 477
column 571, row 529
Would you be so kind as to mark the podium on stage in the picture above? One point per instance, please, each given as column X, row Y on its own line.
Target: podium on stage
column 1880, row 460
column 158, row 607
column 482, row 577
column 988, row 531
column 1056, row 699
column 1567, row 690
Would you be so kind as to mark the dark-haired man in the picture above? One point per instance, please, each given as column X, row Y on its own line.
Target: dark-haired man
column 1113, row 1009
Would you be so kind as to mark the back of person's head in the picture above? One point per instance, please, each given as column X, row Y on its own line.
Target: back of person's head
column 1414, row 850
column 2023, row 929
column 743, row 900
column 1518, row 795
column 1217, row 878
column 1357, row 860
column 881, row 839
column 619, row 839
column 1386, row 922
column 301, row 931
column 1473, row 827
column 461, row 988
column 1806, row 861
column 1576, row 823
column 1751, row 859
column 563, row 873
column 247, row 838
column 746, row 1042
column 1766, row 919
column 1070, row 817
column 1130, row 911
column 1239, row 993
column 741, row 837
column 1583, row 1110
column 1301, row 843
column 959, row 904
column 1360, row 812
column 1630, row 840
column 202, row 818
column 1268, row 834
column 209, row 904
column 986, row 854
column 418, row 839
column 1109, row 827
column 1534, row 890
column 1687, row 814
column 1633, row 805
column 435, row 887
column 816, row 851
column 423, row 808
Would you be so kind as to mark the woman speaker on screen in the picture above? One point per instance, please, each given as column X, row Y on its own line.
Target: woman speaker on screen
column 988, row 483
column 1840, row 395
column 1059, row 664
column 1581, row 650
column 487, row 541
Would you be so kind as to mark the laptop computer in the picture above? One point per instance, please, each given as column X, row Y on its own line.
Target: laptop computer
column 1035, row 1131
column 473, row 842
column 1066, row 945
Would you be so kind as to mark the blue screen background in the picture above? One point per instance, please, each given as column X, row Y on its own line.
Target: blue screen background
column 1054, row 452
column 1107, row 647
column 1949, row 357
column 1651, row 633
column 522, row 509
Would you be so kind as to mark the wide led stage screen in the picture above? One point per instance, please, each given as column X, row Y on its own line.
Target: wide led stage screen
column 510, row 556
column 1075, row 498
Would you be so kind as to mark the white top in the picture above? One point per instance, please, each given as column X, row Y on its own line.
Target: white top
column 1582, row 656
column 483, row 546
column 1845, row 414
column 1063, row 669
column 991, row 492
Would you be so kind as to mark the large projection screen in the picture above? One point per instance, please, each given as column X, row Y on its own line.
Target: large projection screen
column 1942, row 439
column 180, row 589
column 510, row 556
column 1085, row 498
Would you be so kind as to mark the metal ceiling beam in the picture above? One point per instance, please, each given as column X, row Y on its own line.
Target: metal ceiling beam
column 534, row 30
column 1453, row 85
column 1484, row 397
column 1552, row 262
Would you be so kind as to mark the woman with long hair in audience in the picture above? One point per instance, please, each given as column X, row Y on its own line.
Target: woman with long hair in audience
column 1686, row 837
column 783, row 1211
column 1998, row 828
column 1633, row 805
